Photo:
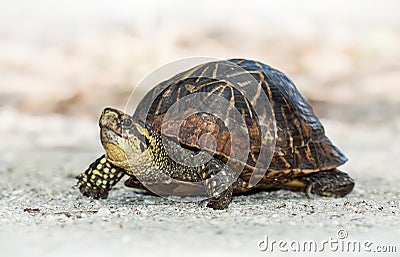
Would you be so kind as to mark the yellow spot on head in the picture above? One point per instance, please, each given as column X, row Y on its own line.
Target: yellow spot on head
column 99, row 166
column 102, row 161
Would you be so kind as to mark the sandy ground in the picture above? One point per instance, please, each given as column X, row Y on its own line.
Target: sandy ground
column 62, row 62
column 44, row 214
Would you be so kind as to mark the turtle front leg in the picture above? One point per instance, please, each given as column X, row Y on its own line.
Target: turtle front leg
column 99, row 178
column 222, row 200
column 218, row 181
column 333, row 183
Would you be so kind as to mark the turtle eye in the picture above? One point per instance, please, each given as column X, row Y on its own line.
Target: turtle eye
column 127, row 123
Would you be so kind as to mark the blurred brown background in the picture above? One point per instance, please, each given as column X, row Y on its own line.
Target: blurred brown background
column 66, row 60
column 62, row 61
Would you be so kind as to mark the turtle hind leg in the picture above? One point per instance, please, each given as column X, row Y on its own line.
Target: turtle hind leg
column 99, row 178
column 333, row 183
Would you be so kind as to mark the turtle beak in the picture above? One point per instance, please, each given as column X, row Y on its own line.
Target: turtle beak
column 111, row 119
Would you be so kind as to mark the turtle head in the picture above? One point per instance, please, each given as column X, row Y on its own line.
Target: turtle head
column 123, row 138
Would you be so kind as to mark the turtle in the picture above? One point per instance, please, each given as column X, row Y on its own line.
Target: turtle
column 141, row 145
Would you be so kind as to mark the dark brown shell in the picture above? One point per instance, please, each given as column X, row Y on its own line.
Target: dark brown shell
column 301, row 144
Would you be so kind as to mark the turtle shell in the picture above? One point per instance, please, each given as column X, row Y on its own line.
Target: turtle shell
column 301, row 146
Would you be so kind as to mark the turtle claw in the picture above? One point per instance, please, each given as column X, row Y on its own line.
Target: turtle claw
column 93, row 192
